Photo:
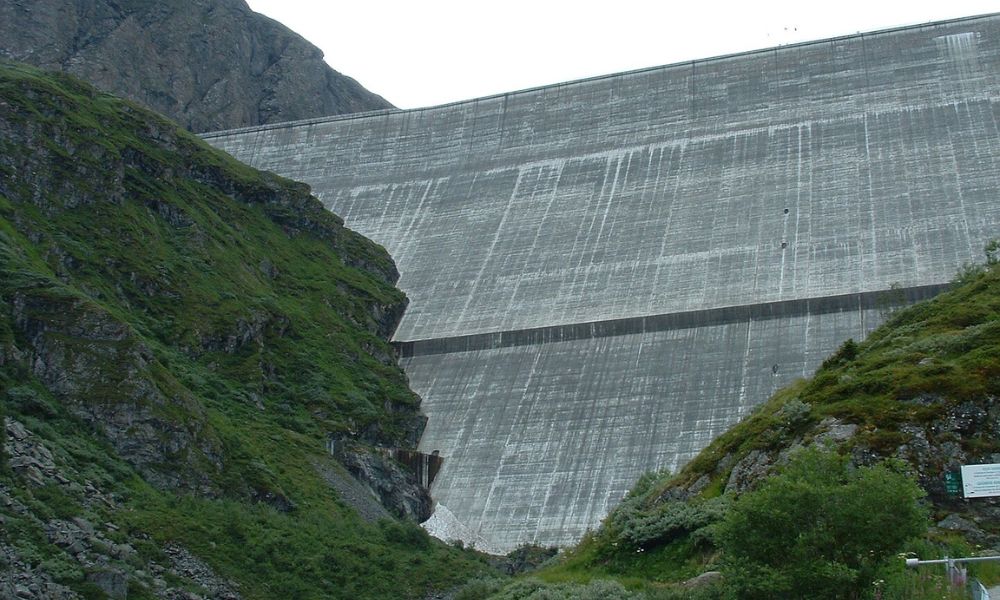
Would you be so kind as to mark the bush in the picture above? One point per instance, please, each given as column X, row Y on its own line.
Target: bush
column 644, row 520
column 477, row 589
column 711, row 591
column 992, row 252
column 819, row 529
column 847, row 352
column 967, row 273
column 533, row 589
column 641, row 527
column 404, row 533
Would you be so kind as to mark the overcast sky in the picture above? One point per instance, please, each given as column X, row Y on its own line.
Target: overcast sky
column 421, row 53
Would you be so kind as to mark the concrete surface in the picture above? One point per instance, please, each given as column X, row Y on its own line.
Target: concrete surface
column 539, row 232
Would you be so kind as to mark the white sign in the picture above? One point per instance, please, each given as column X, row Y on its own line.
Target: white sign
column 981, row 481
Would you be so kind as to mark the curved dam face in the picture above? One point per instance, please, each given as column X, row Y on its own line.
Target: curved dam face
column 606, row 274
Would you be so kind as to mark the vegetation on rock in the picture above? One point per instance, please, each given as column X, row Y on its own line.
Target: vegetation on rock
column 893, row 414
column 181, row 337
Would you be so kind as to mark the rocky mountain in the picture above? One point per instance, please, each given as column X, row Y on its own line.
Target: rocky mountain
column 197, row 392
column 207, row 64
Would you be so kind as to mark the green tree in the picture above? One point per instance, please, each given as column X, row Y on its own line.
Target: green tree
column 889, row 301
column 992, row 251
column 820, row 528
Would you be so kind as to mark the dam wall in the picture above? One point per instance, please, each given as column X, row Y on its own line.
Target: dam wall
column 604, row 274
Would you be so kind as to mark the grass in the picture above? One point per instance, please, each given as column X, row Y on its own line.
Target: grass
column 924, row 363
column 224, row 307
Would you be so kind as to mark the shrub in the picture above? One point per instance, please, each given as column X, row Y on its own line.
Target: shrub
column 533, row 589
column 477, row 589
column 404, row 533
column 992, row 252
column 794, row 414
column 847, row 352
column 967, row 273
column 819, row 529
column 640, row 527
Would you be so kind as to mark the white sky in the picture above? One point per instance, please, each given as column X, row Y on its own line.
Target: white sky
column 421, row 53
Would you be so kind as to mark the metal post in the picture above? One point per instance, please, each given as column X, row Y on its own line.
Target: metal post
column 955, row 576
column 916, row 562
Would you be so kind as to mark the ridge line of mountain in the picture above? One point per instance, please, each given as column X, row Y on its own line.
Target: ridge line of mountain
column 559, row 84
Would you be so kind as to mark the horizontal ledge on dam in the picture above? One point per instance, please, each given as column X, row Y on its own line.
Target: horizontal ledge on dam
column 664, row 322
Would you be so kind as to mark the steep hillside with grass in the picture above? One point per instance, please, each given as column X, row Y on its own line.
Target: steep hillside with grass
column 917, row 399
column 183, row 341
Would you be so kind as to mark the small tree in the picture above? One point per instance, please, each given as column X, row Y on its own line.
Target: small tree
column 992, row 251
column 819, row 529
column 888, row 301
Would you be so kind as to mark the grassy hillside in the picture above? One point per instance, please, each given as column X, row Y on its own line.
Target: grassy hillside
column 180, row 336
column 920, row 392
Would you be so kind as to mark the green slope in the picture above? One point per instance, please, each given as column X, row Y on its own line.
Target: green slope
column 923, row 389
column 180, row 335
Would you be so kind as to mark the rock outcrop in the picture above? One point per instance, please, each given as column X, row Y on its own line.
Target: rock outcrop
column 208, row 64
column 77, row 194
column 94, row 361
column 100, row 553
column 180, row 335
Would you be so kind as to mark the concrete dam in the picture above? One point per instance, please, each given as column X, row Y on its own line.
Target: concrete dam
column 606, row 274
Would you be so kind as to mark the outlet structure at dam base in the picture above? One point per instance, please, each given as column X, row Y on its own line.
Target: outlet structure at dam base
column 606, row 274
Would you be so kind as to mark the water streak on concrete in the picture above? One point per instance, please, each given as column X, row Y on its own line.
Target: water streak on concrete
column 605, row 274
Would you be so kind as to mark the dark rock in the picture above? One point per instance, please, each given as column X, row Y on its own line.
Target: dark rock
column 209, row 64
column 275, row 500
column 386, row 318
column 925, row 399
column 705, row 579
column 969, row 529
column 749, row 471
column 28, row 457
column 84, row 525
column 700, row 484
column 352, row 492
column 245, row 332
column 396, row 488
column 16, row 430
column 834, row 431
column 186, row 565
column 965, row 418
column 77, row 349
column 112, row 582
column 19, row 580
column 525, row 559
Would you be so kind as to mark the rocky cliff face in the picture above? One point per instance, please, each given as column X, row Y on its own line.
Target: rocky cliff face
column 208, row 64
column 76, row 186
column 180, row 337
